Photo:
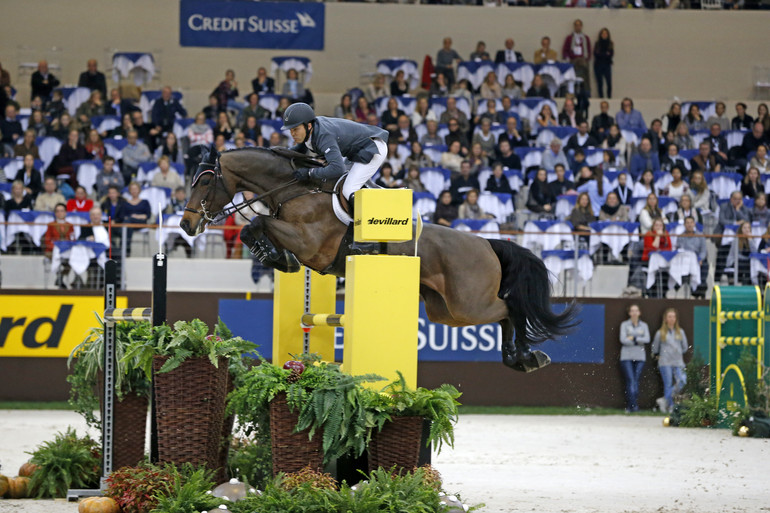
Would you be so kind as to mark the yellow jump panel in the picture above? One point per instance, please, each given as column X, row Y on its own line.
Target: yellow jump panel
column 383, row 215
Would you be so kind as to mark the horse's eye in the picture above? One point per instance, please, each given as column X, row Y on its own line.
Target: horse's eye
column 205, row 181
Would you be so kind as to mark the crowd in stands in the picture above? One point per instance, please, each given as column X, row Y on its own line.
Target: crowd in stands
column 454, row 144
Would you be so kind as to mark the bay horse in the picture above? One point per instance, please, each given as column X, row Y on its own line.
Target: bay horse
column 465, row 280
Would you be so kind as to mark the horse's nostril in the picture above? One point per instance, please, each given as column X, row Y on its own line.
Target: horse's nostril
column 185, row 224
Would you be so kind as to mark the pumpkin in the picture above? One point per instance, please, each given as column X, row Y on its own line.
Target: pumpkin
column 98, row 505
column 3, row 485
column 28, row 469
column 18, row 487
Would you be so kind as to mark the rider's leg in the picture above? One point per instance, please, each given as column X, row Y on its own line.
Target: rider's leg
column 253, row 236
column 358, row 175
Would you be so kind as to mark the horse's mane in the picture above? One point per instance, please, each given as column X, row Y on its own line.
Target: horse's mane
column 298, row 159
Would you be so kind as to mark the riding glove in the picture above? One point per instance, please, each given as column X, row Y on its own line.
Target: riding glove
column 302, row 174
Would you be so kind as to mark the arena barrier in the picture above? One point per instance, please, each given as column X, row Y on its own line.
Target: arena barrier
column 737, row 321
column 381, row 298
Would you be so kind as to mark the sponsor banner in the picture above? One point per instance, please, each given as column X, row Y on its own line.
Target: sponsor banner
column 253, row 320
column 47, row 326
column 243, row 24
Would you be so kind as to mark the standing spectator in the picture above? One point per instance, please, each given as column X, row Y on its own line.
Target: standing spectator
column 166, row 177
column 577, row 51
column 554, row 155
column 705, row 161
column 10, row 130
column 226, row 91
column 134, row 153
column 375, row 90
column 446, row 59
column 399, row 86
column 165, row 111
column 293, row 88
column 634, row 334
column 135, row 211
column 263, row 83
column 545, row 53
column 108, row 177
column 81, row 202
column 42, row 82
column 751, row 185
column 719, row 117
column 541, row 198
column 744, row 253
column 629, row 118
column 742, row 121
column 538, row 89
column 446, row 211
column 694, row 119
column 508, row 54
column 481, row 53
column 730, row 213
column 30, row 176
column 672, row 118
column 649, row 213
column 603, row 53
column 27, row 146
column 668, row 348
column 93, row 79
column 645, row 159
column 58, row 230
column 691, row 241
column 47, row 200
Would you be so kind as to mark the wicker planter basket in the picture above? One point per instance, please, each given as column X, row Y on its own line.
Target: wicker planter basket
column 291, row 451
column 398, row 443
column 130, row 431
column 190, row 411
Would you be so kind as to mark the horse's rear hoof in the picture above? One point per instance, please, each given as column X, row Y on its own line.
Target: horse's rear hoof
column 532, row 361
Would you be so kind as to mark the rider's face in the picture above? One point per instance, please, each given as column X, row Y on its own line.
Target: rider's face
column 298, row 133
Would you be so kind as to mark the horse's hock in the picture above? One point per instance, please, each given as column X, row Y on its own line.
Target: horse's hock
column 381, row 297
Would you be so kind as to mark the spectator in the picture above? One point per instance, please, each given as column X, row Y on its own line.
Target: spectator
column 394, row 158
column 582, row 139
column 470, row 208
column 624, row 192
column 554, row 155
column 577, row 50
column 178, row 201
column 672, row 118
column 477, row 158
column 690, row 241
column 751, row 185
column 644, row 159
column 511, row 89
column 363, row 109
column 730, row 213
column 223, row 126
column 94, row 145
column 582, row 216
column 90, row 108
column 763, row 117
column 657, row 239
column 422, row 112
column 58, row 230
column 55, row 107
column 463, row 183
column 404, row 133
column 391, row 115
column 541, row 198
column 462, row 89
column 603, row 53
column 10, row 130
column 486, row 138
column 250, row 131
column 165, row 111
column 694, row 119
column 107, row 177
column 113, row 204
column 134, row 153
column 294, row 89
column 212, row 109
column 19, row 200
column 678, row 187
column 561, row 185
column 446, row 210
column 452, row 158
column 399, row 86
column 569, row 116
column 446, row 58
column 601, row 123
column 440, row 86
column 645, row 185
column 538, row 89
column 171, row 149
column 649, row 213
column 592, row 182
column 96, row 232
column 744, row 252
column 508, row 158
column 616, row 141
column 135, row 211
column 200, row 133
column 684, row 210
column 227, row 90
column 480, row 54
column 760, row 213
column 498, row 182
column 753, row 140
column 668, row 348
column 81, row 201
column 657, row 137
column 375, row 90
column 491, row 89
column 546, row 118
column 43, row 82
column 93, row 79
column 38, row 124
column 508, row 54
column 142, row 129
column 705, row 161
column 760, row 160
column 456, row 133
column 71, row 151
column 27, row 145
column 5, row 77
column 30, row 176
column 682, row 137
column 166, row 176
column 545, row 53
column 412, row 180
column 387, row 178
column 121, row 132
column 47, row 200
column 263, row 83
column 119, row 106
column 742, row 121
column 702, row 198
column 490, row 114
column 431, row 137
column 719, row 117
column 344, row 109
column 512, row 135
column 60, row 128
column 628, row 118
column 672, row 159
column 613, row 209
column 634, row 334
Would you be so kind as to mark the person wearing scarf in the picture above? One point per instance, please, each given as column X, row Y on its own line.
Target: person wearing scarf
column 613, row 210
column 541, row 199
column 623, row 191
column 577, row 50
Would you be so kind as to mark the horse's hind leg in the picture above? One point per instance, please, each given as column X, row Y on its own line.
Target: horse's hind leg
column 517, row 354
column 254, row 237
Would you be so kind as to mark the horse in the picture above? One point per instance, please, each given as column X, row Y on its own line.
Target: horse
column 465, row 280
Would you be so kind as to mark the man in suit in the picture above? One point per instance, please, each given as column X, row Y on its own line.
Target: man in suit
column 705, row 161
column 512, row 134
column 508, row 54
column 93, row 79
column 164, row 112
column 718, row 143
column 42, row 82
column 119, row 106
column 263, row 83
column 582, row 139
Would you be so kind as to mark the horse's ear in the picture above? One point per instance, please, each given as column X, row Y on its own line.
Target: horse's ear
column 209, row 155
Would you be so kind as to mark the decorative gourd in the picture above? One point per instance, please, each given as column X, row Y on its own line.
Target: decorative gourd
column 28, row 469
column 18, row 487
column 3, row 485
column 98, row 505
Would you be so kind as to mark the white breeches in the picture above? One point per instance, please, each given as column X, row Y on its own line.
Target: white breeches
column 360, row 173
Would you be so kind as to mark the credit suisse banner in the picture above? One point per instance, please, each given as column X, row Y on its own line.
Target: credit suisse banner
column 253, row 320
column 248, row 24
column 47, row 326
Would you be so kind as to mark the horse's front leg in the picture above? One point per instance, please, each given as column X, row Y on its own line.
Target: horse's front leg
column 254, row 236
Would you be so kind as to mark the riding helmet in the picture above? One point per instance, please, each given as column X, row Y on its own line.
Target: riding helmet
column 297, row 114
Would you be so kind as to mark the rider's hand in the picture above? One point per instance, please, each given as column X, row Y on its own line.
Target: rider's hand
column 302, row 174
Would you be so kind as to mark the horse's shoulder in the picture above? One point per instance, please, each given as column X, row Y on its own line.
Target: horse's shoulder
column 299, row 159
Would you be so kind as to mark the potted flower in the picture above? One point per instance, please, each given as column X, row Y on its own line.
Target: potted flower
column 132, row 390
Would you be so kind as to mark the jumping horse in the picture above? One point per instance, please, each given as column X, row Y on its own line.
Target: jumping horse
column 464, row 279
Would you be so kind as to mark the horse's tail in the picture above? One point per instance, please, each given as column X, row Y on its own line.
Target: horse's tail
column 526, row 289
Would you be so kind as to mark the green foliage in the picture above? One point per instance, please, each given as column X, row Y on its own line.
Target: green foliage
column 697, row 374
column 700, row 411
column 187, row 492
column 135, row 488
column 66, row 462
column 251, row 461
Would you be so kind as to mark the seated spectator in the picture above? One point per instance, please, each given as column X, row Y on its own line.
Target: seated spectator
column 613, row 209
column 220, row 143
column 393, row 157
column 106, row 177
column 121, row 131
column 592, row 182
column 373, row 91
column 470, row 208
column 672, row 118
column 135, row 211
column 431, row 138
column 485, row 138
column 644, row 159
column 94, row 106
column 477, row 158
column 227, row 90
column 685, row 210
column 94, row 145
column 55, row 107
column 118, row 106
column 690, row 241
column 512, row 134
column 200, row 135
column 719, row 117
column 412, row 180
column 760, row 213
column 10, row 131
column 764, row 242
column 38, row 124
column 171, row 149
column 705, row 161
column 251, row 132
column 440, row 87
column 538, row 89
column 628, row 118
column 650, row 212
column 511, row 89
column 166, row 177
column 263, row 83
column 554, row 155
column 27, row 145
column 456, row 134
column 753, row 140
column 212, row 109
column 418, row 157
column 718, row 144
column 742, row 121
column 223, row 126
column 541, row 198
column 645, row 185
column 404, row 133
column 30, row 177
column 497, row 181
column 344, row 109
column 569, row 116
column 113, row 204
column 657, row 137
column 609, row 162
column 601, row 123
column 71, row 151
column 142, row 129
column 61, row 126
column 400, row 87
column 545, row 53
column 702, row 197
column 96, row 232
column 463, row 183
column 730, row 213
column 677, row 187
column 763, row 116
column 463, row 89
column 446, row 210
column 577, row 159
column 390, row 116
column 134, row 153
column 480, row 54
column 453, row 113
column 546, row 118
column 751, row 185
column 760, row 160
column 582, row 139
column 178, row 201
column 507, row 157
column 490, row 88
column 656, row 239
column 616, row 141
column 490, row 114
column 694, row 119
column 422, row 112
column 19, row 200
column 58, row 230
column 387, row 178
column 672, row 159
column 582, row 215
column 682, row 137
column 81, row 201
column 744, row 253
column 561, row 185
column 47, row 200
column 624, row 192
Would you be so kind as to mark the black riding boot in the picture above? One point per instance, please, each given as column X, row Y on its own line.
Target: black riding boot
column 362, row 248
column 522, row 358
column 281, row 260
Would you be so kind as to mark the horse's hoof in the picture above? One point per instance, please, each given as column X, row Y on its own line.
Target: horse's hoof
column 532, row 361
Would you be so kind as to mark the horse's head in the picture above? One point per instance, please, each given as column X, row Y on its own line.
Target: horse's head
column 208, row 196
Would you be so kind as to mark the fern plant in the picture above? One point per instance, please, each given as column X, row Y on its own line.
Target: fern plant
column 187, row 492
column 63, row 463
